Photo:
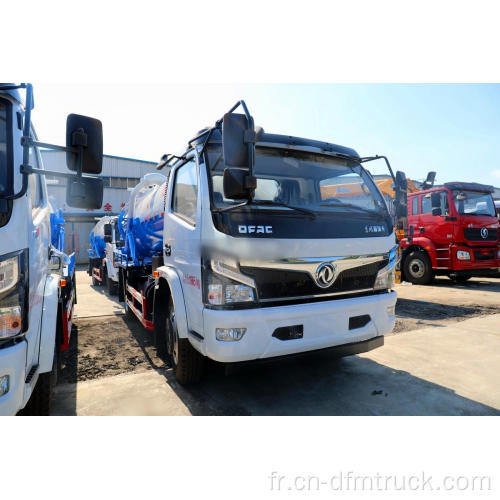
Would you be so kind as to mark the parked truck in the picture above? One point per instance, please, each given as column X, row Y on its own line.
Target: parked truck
column 104, row 239
column 241, row 253
column 453, row 230
column 36, row 277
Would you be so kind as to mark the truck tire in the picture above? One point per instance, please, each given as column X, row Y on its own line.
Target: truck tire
column 40, row 402
column 417, row 268
column 112, row 288
column 187, row 362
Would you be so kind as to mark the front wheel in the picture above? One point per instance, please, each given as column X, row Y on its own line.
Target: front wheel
column 112, row 288
column 417, row 268
column 186, row 361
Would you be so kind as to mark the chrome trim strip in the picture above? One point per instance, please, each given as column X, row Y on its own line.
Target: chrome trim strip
column 350, row 292
column 310, row 264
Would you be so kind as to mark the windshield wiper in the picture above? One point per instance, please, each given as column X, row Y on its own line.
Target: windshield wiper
column 338, row 203
column 269, row 203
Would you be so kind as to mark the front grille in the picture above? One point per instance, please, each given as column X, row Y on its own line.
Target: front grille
column 282, row 284
column 474, row 234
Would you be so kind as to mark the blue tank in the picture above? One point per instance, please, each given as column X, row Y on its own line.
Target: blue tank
column 96, row 238
column 143, row 219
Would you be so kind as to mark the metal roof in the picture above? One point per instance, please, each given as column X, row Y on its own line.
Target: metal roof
column 471, row 186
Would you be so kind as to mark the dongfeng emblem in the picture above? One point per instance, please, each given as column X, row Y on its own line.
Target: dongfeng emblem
column 484, row 233
column 325, row 274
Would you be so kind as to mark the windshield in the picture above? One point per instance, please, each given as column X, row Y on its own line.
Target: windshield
column 309, row 181
column 474, row 203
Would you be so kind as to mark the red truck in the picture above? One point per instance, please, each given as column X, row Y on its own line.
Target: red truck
column 453, row 230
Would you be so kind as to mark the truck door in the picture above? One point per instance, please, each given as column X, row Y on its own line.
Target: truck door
column 182, row 236
column 437, row 227
column 38, row 255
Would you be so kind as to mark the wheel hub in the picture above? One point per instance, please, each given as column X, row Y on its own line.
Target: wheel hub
column 417, row 268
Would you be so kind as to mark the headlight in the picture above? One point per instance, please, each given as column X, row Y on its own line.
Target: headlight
column 13, row 294
column 385, row 277
column 463, row 255
column 220, row 289
column 9, row 273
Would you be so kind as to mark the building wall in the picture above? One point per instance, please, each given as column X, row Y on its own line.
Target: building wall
column 120, row 175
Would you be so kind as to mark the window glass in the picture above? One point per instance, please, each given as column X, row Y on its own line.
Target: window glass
column 35, row 182
column 185, row 194
column 474, row 203
column 414, row 206
column 444, row 203
column 426, row 204
column 3, row 145
column 300, row 179
column 267, row 189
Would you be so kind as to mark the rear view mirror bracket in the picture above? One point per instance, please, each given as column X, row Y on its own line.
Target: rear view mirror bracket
column 84, row 155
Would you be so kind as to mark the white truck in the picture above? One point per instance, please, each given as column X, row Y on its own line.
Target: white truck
column 104, row 239
column 259, row 246
column 34, row 320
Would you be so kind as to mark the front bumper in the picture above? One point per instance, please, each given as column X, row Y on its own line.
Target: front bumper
column 325, row 325
column 477, row 261
column 13, row 363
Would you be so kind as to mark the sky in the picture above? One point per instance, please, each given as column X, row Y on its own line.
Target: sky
column 453, row 129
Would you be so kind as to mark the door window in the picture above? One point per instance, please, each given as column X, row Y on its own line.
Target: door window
column 426, row 204
column 185, row 195
column 35, row 182
column 414, row 206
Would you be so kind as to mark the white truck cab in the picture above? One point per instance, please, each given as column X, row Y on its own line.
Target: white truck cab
column 34, row 315
column 272, row 246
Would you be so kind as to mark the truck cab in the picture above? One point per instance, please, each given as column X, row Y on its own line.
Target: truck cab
column 453, row 230
column 36, row 277
column 306, row 262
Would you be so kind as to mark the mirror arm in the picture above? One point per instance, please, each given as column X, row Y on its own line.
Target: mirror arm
column 28, row 142
column 377, row 157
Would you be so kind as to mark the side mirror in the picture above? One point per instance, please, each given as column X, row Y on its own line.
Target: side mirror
column 85, row 133
column 237, row 183
column 435, row 201
column 84, row 192
column 436, row 211
column 235, row 149
column 429, row 181
column 55, row 263
column 401, row 195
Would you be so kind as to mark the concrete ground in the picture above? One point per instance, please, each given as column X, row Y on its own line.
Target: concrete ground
column 94, row 301
column 445, row 368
